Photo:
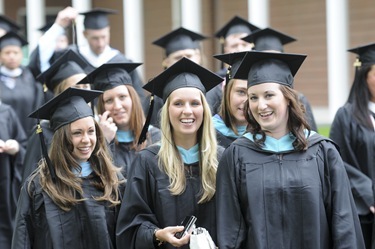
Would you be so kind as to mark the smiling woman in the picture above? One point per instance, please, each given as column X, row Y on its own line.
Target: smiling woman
column 278, row 165
column 76, row 181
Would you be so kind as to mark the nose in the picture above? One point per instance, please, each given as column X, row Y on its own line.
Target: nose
column 117, row 103
column 262, row 104
column 187, row 109
column 85, row 138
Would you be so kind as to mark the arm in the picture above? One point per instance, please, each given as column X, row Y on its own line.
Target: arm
column 341, row 210
column 231, row 230
column 23, row 233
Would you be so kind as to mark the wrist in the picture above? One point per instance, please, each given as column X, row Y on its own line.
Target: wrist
column 157, row 240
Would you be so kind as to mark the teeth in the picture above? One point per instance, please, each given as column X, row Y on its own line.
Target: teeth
column 187, row 120
column 84, row 149
column 265, row 114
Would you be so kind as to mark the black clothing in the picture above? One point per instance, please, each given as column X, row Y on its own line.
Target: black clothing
column 10, row 173
column 42, row 224
column 287, row 199
column 123, row 155
column 357, row 149
column 34, row 149
column 23, row 94
column 223, row 140
column 149, row 203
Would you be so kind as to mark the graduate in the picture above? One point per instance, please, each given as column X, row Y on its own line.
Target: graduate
column 18, row 87
column 271, row 40
column 176, row 177
column 66, row 72
column 72, row 200
column 282, row 185
column 12, row 152
column 353, row 129
column 120, row 112
column 178, row 43
column 230, row 122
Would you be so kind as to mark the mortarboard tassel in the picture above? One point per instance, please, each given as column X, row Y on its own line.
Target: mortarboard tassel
column 142, row 137
column 39, row 131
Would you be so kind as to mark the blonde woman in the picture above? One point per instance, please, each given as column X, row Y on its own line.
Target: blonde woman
column 177, row 177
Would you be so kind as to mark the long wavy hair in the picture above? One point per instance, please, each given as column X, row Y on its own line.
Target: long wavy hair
column 225, row 111
column 360, row 95
column 67, row 190
column 137, row 117
column 171, row 162
column 296, row 122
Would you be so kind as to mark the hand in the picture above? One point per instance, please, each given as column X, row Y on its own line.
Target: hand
column 66, row 16
column 10, row 147
column 167, row 234
column 108, row 127
column 372, row 209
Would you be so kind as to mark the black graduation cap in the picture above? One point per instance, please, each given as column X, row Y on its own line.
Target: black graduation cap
column 268, row 39
column 97, row 18
column 366, row 53
column 235, row 26
column 232, row 59
column 63, row 109
column 66, row 107
column 179, row 39
column 184, row 73
column 8, row 25
column 68, row 64
column 110, row 75
column 263, row 67
column 12, row 38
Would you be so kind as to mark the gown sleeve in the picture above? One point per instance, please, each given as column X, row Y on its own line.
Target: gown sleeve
column 361, row 184
column 22, row 231
column 231, row 228
column 341, row 210
column 136, row 221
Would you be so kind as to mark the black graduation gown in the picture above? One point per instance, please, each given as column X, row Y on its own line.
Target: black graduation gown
column 149, row 203
column 34, row 149
column 10, row 173
column 42, row 224
column 288, row 200
column 357, row 148
column 123, row 155
column 24, row 98
column 223, row 140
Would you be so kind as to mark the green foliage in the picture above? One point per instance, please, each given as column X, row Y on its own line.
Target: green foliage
column 324, row 129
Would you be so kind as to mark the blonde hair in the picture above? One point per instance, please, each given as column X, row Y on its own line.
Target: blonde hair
column 64, row 191
column 171, row 162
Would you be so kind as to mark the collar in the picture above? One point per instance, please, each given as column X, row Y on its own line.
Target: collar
column 282, row 144
column 225, row 130
column 189, row 156
column 125, row 136
column 11, row 72
column 85, row 169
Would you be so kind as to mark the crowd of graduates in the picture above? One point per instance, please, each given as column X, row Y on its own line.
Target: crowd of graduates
column 92, row 157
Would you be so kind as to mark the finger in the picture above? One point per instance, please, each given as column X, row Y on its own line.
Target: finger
column 110, row 120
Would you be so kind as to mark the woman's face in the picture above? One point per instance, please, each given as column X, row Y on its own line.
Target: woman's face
column 269, row 108
column 371, row 82
column 185, row 112
column 83, row 138
column 238, row 96
column 119, row 103
column 11, row 56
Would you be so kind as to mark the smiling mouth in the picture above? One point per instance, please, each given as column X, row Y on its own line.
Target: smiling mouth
column 187, row 121
column 265, row 114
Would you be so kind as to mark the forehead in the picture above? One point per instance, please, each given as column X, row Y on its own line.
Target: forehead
column 122, row 89
column 87, row 121
column 97, row 32
column 186, row 92
column 264, row 87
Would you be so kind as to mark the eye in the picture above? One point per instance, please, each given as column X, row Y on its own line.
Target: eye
column 253, row 98
column 195, row 103
column 92, row 131
column 269, row 95
column 108, row 101
column 241, row 92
